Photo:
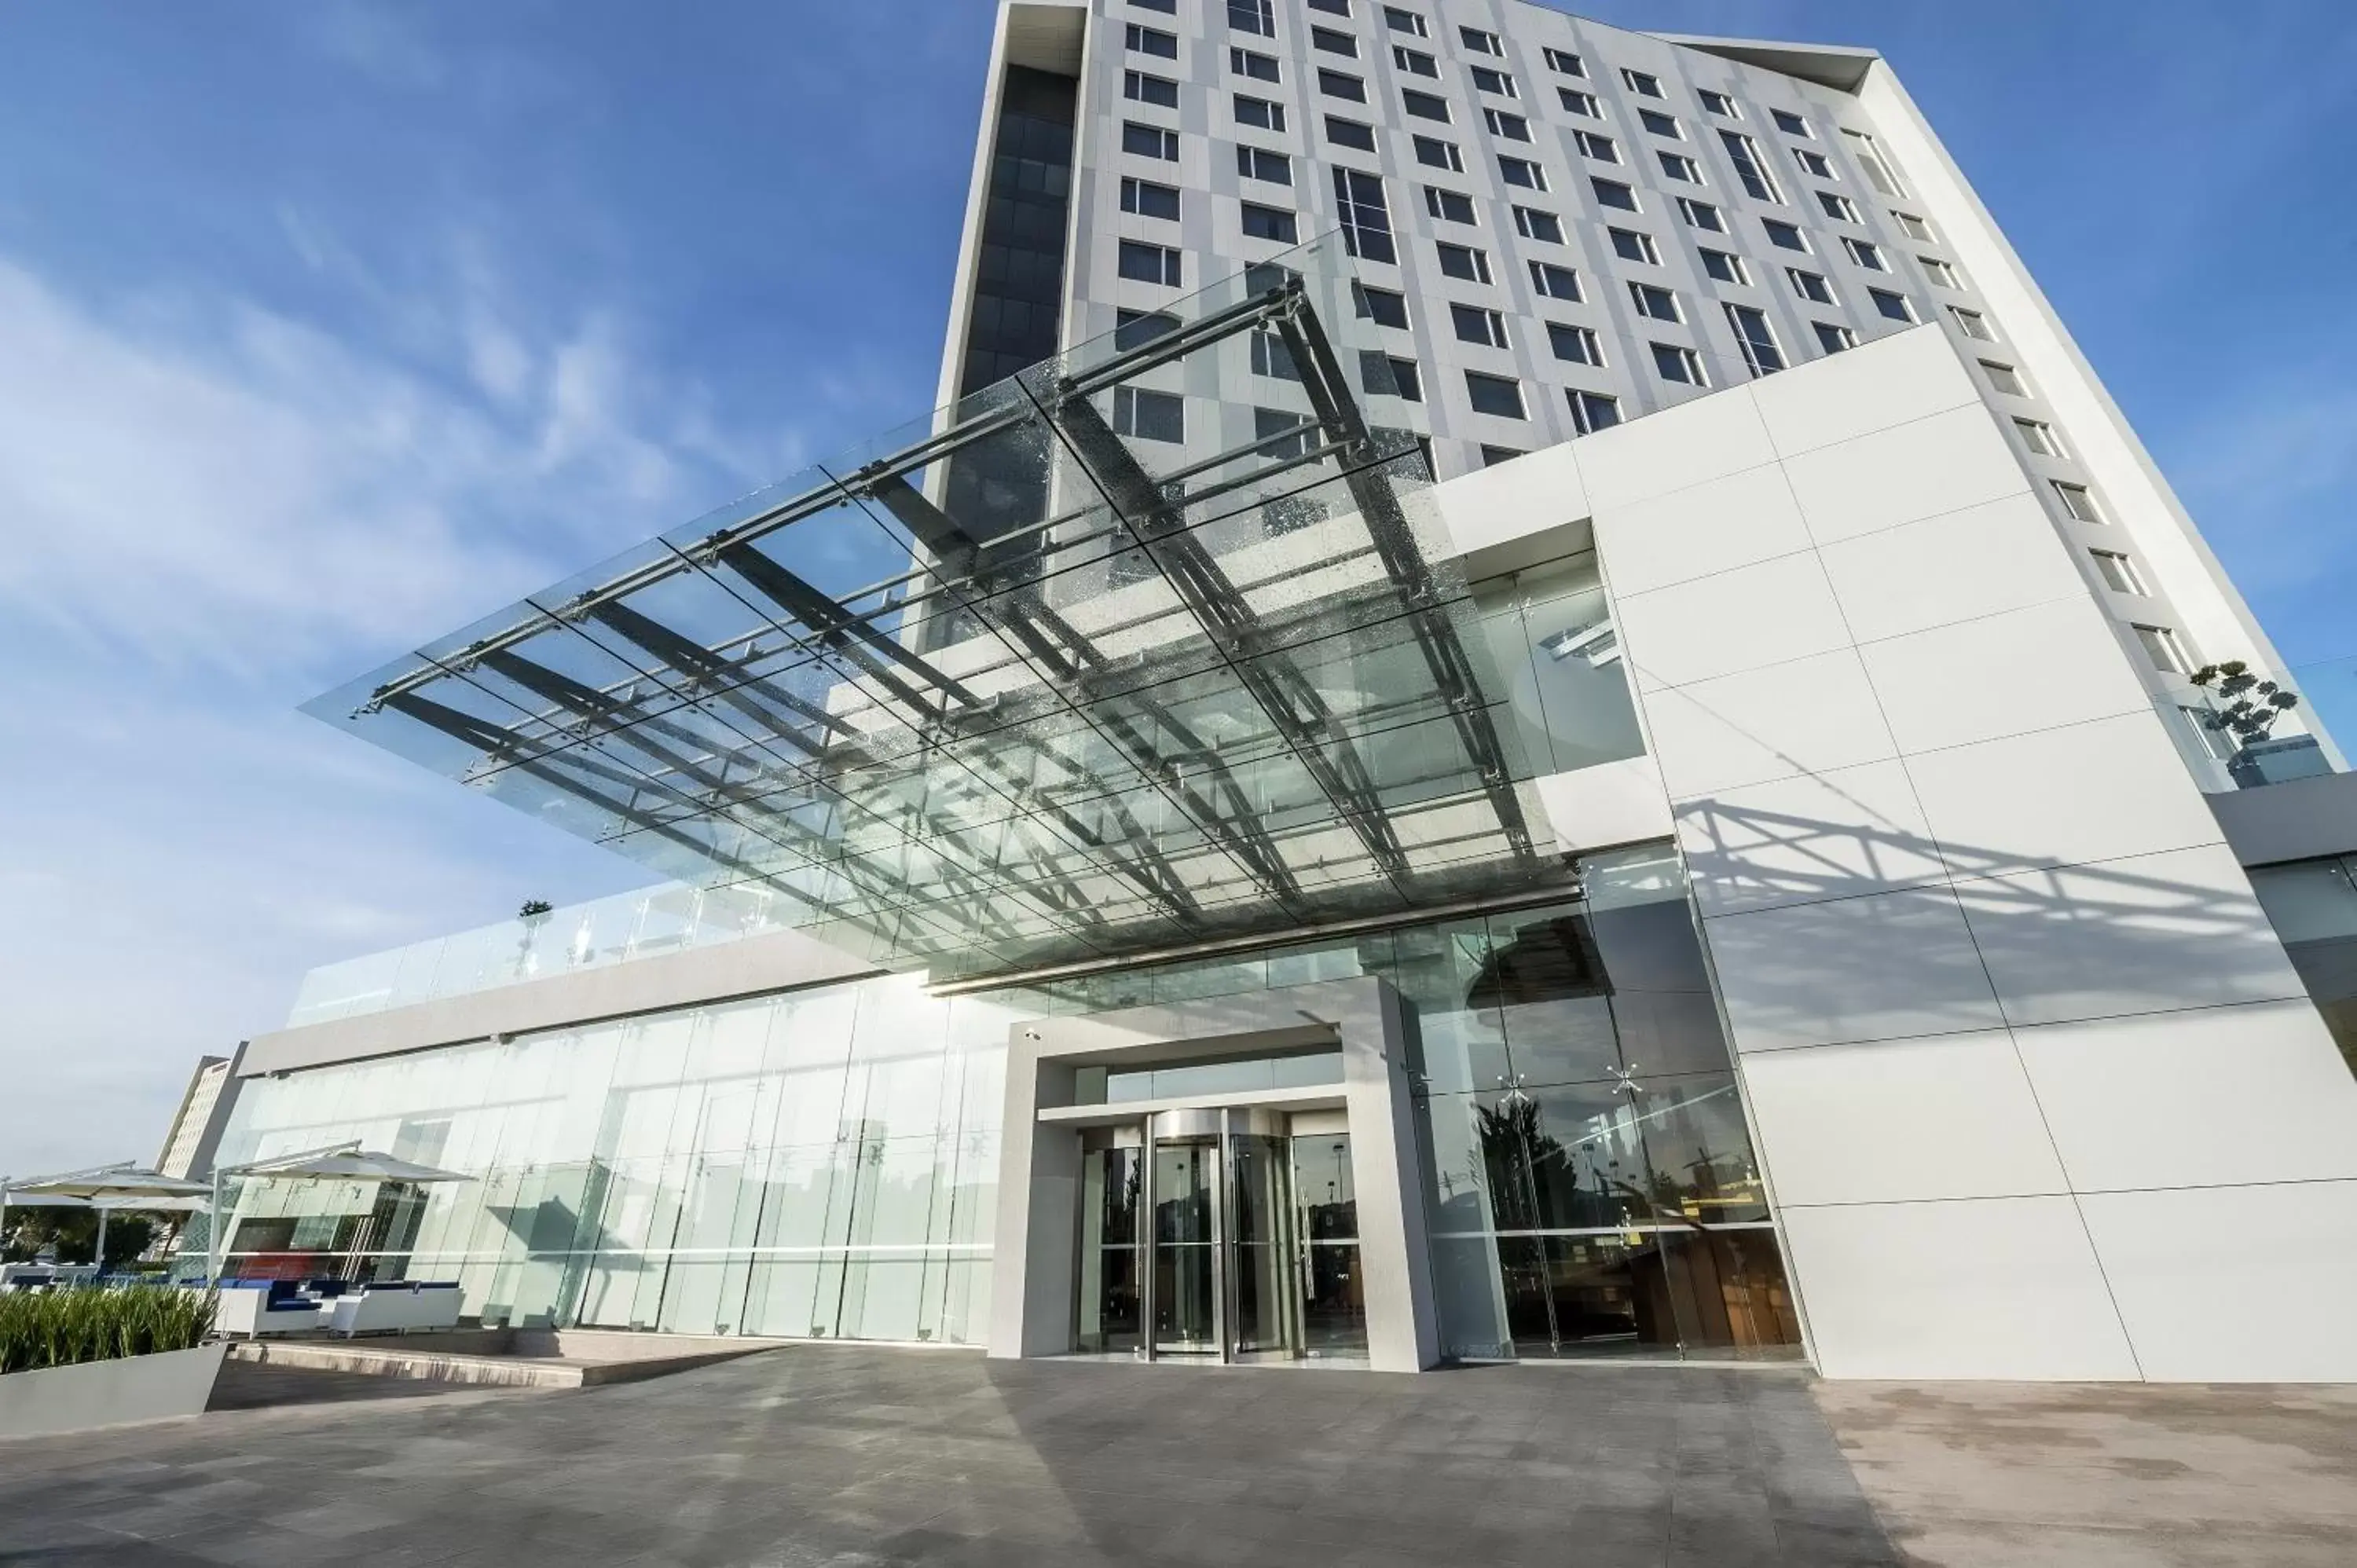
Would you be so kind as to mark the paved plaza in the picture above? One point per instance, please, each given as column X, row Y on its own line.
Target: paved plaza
column 839, row 1454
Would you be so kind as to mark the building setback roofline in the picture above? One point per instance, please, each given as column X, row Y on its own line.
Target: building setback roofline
column 1842, row 67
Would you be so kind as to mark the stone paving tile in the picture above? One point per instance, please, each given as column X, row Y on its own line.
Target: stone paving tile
column 847, row 1458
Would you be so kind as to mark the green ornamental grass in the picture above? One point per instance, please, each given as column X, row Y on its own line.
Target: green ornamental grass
column 58, row 1328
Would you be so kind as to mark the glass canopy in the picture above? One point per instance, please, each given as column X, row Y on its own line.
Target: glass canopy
column 1154, row 643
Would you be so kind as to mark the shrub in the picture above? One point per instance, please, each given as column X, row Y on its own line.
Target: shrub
column 58, row 1328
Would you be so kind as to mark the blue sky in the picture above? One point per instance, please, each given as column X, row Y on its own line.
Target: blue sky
column 326, row 328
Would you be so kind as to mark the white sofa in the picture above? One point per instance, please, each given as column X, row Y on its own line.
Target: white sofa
column 380, row 1309
column 254, row 1309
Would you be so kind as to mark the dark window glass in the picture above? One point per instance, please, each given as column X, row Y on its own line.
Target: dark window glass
column 1342, row 84
column 1424, row 105
column 1152, row 42
column 1149, row 141
column 1464, row 261
column 1366, row 219
column 1259, row 112
column 1661, row 125
column 1259, row 163
column 1259, row 66
column 1252, row 16
column 1149, row 264
column 1612, row 193
column 1555, row 282
column 1160, row 91
column 1132, row 327
column 1349, row 133
column 1381, row 305
column 1451, row 205
column 1268, row 223
column 1499, row 395
column 1148, row 199
column 1150, row 415
column 1332, row 42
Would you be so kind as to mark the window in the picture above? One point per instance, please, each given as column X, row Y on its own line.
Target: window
column 1481, row 43
column 1142, row 262
column 1661, row 125
column 1151, row 41
column 1497, row 81
column 1148, row 199
column 1366, row 219
column 1756, row 338
column 1534, row 224
column 1565, row 61
column 1269, row 224
column 1592, row 411
column 1424, row 105
column 1476, row 324
column 2162, row 647
column 2004, row 379
column 2119, row 572
column 1879, row 173
column 1554, row 282
column 1452, row 206
column 1149, row 415
column 1603, row 149
column 1653, row 300
column 1789, row 124
column 1464, row 261
column 1894, row 306
column 1521, row 172
column 1810, row 286
column 1140, row 88
column 1720, row 104
column 1914, row 228
column 1940, row 273
column 1390, row 374
column 1380, row 305
column 1259, row 112
column 1259, row 66
column 1252, row 16
column 1499, row 395
column 1677, row 166
column 1332, row 7
column 1971, row 324
column 1725, row 267
column 1745, row 153
column 2078, row 500
column 1813, row 163
column 1577, row 344
column 1833, row 337
column 1270, row 356
column 1131, row 328
column 1167, row 7
column 1494, row 455
column 1630, row 246
column 1674, row 363
column 1407, row 22
column 1342, row 84
column 1259, row 163
column 1416, row 62
column 1513, row 127
column 1865, row 254
column 1837, row 207
column 1334, row 43
column 1612, row 193
column 1149, row 141
column 1642, row 83
column 1433, row 153
column 2040, row 438
column 1580, row 102
column 1349, row 133
column 1701, row 215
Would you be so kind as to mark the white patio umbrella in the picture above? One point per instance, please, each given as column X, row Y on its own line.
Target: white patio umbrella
column 338, row 1161
column 125, row 1184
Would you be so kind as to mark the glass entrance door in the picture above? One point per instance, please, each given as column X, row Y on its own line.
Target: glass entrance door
column 1187, row 1248
column 1262, row 1248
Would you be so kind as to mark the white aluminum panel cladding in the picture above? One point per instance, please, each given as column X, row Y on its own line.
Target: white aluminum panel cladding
column 1699, row 531
column 1994, row 1287
column 1882, row 966
column 1905, row 1121
column 2137, row 1102
column 2294, row 1251
column 1961, row 565
column 1994, row 807
column 1908, row 377
column 2146, row 934
column 1811, row 716
column 1512, row 501
column 1807, row 838
column 1750, row 618
column 2037, row 669
column 1706, row 439
column 1904, row 473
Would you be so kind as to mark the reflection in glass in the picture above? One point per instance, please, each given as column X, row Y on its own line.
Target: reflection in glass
column 1186, row 1292
column 1728, row 1292
column 1110, row 1185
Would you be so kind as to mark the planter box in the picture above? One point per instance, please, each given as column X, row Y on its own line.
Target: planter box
column 108, row 1393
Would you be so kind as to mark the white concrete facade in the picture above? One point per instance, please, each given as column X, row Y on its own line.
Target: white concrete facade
column 2023, row 1055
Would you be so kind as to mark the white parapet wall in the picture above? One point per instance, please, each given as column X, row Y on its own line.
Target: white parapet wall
column 2038, row 1092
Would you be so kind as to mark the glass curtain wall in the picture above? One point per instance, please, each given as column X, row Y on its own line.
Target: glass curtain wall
column 818, row 1164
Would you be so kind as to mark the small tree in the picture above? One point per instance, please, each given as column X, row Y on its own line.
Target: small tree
column 2251, row 706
